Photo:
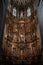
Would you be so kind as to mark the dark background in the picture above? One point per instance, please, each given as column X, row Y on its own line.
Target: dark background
column 2, row 22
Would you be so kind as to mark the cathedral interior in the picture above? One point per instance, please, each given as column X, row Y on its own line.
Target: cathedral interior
column 21, row 32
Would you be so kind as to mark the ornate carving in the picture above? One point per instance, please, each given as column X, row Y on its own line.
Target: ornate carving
column 20, row 39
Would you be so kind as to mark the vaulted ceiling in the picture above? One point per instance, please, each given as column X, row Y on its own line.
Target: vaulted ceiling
column 20, row 3
column 24, row 3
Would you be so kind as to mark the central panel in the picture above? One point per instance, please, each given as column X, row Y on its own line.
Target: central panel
column 21, row 38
